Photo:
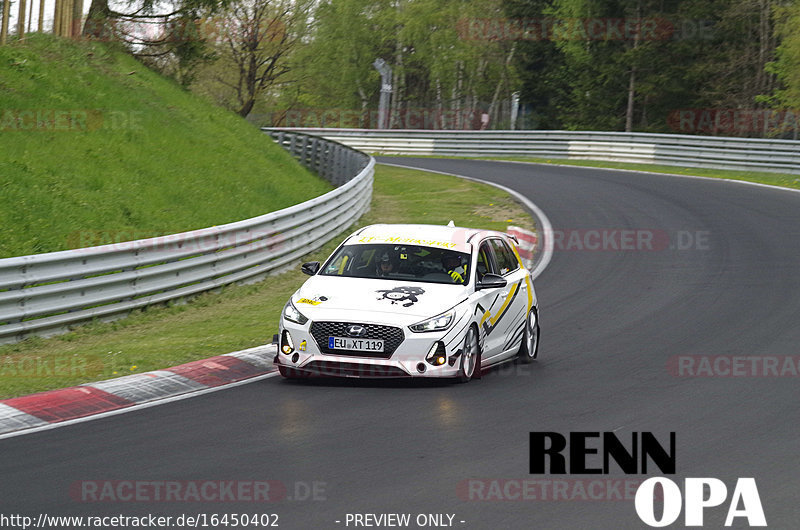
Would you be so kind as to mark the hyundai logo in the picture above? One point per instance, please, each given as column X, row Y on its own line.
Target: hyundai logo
column 356, row 331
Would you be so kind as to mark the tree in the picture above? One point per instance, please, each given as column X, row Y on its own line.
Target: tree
column 631, row 64
column 787, row 62
column 333, row 69
column 67, row 15
column 175, row 42
column 256, row 39
column 104, row 23
column 452, row 66
column 21, row 19
column 4, row 24
column 616, row 53
column 436, row 68
column 744, row 42
column 541, row 67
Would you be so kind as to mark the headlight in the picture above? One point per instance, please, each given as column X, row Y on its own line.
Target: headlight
column 436, row 356
column 437, row 323
column 287, row 345
column 291, row 314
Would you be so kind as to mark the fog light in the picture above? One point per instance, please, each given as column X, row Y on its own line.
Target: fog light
column 436, row 356
column 287, row 346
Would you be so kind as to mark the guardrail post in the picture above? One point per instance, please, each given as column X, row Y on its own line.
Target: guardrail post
column 322, row 161
column 336, row 164
column 313, row 155
column 330, row 166
column 304, row 152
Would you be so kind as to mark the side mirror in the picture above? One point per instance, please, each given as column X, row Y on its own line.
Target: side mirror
column 490, row 281
column 310, row 268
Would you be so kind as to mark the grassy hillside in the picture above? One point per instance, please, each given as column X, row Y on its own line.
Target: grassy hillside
column 95, row 148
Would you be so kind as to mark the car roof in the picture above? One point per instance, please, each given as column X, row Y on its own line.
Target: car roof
column 439, row 236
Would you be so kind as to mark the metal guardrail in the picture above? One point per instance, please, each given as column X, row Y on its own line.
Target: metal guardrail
column 645, row 148
column 44, row 294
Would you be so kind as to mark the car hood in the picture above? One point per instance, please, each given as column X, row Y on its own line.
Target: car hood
column 399, row 302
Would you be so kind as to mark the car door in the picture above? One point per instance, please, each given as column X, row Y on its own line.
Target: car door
column 508, row 325
column 490, row 304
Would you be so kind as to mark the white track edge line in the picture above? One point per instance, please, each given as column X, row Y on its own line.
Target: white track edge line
column 715, row 179
column 138, row 406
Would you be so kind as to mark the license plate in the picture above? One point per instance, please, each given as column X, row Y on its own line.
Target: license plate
column 349, row 343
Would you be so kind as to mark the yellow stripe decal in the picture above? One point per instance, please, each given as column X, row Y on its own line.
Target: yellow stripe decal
column 530, row 292
column 505, row 304
column 516, row 253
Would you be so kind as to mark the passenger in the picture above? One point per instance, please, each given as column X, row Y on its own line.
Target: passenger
column 452, row 264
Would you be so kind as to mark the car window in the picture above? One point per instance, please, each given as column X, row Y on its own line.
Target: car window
column 506, row 260
column 485, row 263
column 399, row 262
column 340, row 265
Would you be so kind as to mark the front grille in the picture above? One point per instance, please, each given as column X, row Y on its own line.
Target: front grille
column 392, row 338
column 337, row 369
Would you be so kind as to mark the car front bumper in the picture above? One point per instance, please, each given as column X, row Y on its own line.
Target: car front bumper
column 408, row 359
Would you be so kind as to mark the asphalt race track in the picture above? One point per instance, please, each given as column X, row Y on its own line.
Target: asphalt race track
column 713, row 272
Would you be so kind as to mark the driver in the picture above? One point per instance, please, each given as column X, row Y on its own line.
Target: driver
column 385, row 265
column 452, row 264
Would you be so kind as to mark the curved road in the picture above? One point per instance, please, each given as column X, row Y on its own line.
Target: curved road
column 613, row 322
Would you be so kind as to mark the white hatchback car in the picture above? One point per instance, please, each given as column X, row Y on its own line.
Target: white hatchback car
column 411, row 300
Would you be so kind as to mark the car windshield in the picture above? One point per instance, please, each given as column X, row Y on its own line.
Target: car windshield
column 399, row 262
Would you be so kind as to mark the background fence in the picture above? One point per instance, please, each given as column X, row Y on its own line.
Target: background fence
column 645, row 148
column 44, row 294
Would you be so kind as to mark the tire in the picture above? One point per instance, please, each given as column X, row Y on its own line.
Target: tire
column 470, row 356
column 529, row 349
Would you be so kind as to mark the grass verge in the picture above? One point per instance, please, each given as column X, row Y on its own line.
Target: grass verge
column 238, row 317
